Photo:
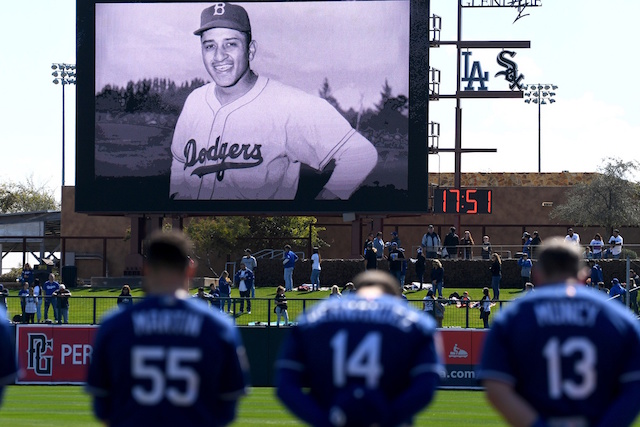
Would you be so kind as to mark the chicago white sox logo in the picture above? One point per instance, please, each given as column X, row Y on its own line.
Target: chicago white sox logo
column 38, row 345
column 218, row 9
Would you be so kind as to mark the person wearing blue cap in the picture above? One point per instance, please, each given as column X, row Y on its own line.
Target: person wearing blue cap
column 246, row 137
column 617, row 291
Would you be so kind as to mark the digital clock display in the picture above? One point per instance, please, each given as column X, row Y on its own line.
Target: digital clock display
column 463, row 201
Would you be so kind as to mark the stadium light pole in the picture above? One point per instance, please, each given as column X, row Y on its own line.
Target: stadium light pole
column 64, row 74
column 539, row 93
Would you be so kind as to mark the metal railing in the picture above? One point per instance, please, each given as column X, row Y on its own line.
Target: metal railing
column 90, row 310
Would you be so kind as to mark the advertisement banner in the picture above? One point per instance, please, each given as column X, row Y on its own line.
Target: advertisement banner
column 462, row 354
column 54, row 354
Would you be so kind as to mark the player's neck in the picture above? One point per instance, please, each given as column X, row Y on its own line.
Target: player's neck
column 227, row 95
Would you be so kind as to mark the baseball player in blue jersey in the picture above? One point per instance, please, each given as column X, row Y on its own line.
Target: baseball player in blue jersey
column 167, row 360
column 244, row 136
column 8, row 367
column 563, row 355
column 366, row 359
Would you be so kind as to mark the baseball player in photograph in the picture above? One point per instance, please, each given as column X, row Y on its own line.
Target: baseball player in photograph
column 245, row 136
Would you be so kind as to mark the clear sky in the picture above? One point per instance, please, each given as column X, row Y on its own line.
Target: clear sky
column 586, row 47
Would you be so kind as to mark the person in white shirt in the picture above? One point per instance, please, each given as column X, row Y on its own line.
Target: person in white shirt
column 616, row 244
column 251, row 263
column 315, row 270
column 572, row 237
column 596, row 246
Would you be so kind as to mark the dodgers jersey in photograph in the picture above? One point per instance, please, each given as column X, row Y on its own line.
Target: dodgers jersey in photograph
column 345, row 343
column 167, row 361
column 8, row 367
column 566, row 350
column 252, row 148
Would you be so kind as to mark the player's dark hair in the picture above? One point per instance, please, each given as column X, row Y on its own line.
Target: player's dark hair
column 287, row 247
column 558, row 258
column 381, row 279
column 169, row 250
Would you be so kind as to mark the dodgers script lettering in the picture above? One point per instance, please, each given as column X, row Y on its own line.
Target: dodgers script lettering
column 221, row 152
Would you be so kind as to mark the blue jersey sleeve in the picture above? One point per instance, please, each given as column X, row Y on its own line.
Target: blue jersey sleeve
column 8, row 367
column 98, row 377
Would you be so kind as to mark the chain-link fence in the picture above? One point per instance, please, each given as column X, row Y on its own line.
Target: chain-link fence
column 89, row 310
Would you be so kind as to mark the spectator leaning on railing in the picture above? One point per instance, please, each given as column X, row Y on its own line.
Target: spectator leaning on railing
column 615, row 242
column 61, row 299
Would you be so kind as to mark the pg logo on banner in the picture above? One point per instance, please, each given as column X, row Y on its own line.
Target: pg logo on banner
column 54, row 354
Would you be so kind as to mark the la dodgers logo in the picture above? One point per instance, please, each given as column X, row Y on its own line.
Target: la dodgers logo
column 38, row 345
column 250, row 156
column 475, row 75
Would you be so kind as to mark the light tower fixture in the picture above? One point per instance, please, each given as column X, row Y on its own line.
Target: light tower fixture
column 541, row 94
column 64, row 74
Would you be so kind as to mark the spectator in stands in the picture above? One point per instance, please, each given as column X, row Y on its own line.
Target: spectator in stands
column 437, row 276
column 289, row 263
column 378, row 245
column 596, row 274
column 244, row 280
column 615, row 243
column 50, row 286
column 420, row 265
column 224, row 285
column 370, row 257
column 4, row 293
column 315, row 269
column 395, row 261
column 216, row 301
column 395, row 239
column 23, row 294
column 431, row 243
column 486, row 248
column 596, row 246
column 465, row 300
column 536, row 241
column 485, row 307
column 335, row 292
column 125, row 299
column 526, row 244
column 404, row 264
column 61, row 299
column 251, row 263
column 572, row 237
column 438, row 310
column 603, row 288
column 428, row 304
column 38, row 293
column 203, row 296
column 30, row 307
column 617, row 290
column 496, row 275
column 348, row 289
column 281, row 306
column 27, row 275
column 525, row 265
column 451, row 242
column 633, row 293
column 467, row 245
column 370, row 239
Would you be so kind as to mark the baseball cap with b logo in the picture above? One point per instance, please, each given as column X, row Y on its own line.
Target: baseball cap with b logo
column 224, row 15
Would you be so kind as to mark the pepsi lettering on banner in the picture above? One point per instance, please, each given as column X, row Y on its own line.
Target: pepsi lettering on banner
column 474, row 75
column 511, row 72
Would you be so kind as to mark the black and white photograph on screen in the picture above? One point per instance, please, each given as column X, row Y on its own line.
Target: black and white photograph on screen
column 254, row 101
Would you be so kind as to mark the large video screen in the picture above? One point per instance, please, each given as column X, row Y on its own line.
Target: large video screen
column 269, row 107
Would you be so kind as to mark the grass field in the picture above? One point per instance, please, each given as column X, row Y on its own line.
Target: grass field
column 64, row 406
column 82, row 305
column 69, row 406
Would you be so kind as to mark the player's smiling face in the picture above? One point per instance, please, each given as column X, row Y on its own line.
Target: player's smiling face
column 226, row 55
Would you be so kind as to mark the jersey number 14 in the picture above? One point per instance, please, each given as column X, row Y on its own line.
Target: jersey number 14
column 363, row 362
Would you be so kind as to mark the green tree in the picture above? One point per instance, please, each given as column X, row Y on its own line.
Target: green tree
column 217, row 236
column 611, row 199
column 275, row 232
column 27, row 196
